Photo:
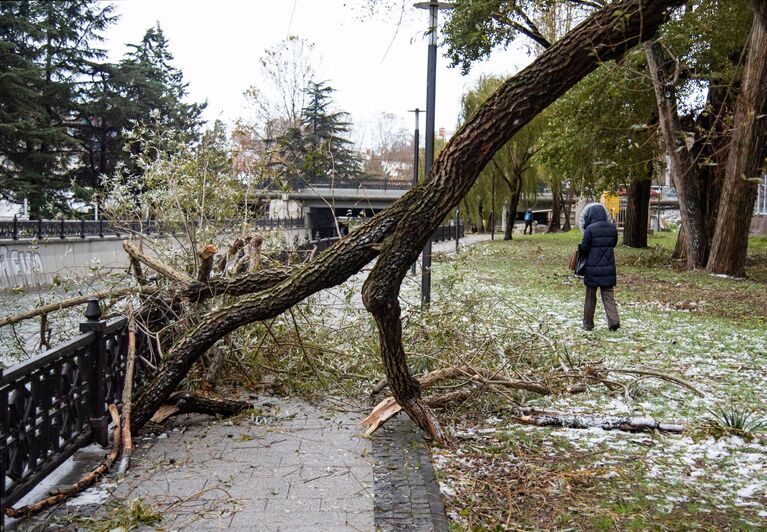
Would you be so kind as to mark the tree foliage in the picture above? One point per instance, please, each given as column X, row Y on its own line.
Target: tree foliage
column 47, row 48
column 65, row 111
column 318, row 149
column 511, row 175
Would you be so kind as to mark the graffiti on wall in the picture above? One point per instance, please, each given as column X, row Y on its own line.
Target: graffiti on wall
column 20, row 269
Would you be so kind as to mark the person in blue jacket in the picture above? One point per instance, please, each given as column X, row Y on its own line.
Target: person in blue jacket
column 599, row 239
column 528, row 221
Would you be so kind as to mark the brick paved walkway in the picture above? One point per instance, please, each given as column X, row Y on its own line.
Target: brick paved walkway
column 293, row 467
column 296, row 467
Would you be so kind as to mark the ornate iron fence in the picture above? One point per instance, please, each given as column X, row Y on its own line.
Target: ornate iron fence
column 56, row 403
column 61, row 229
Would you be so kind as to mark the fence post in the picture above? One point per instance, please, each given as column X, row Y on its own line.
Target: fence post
column 101, row 228
column 3, row 437
column 15, row 227
column 82, row 228
column 39, row 229
column 99, row 419
column 61, row 229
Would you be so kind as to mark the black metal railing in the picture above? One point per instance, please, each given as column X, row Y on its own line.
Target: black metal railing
column 56, row 403
column 448, row 232
column 62, row 229
column 280, row 223
column 442, row 234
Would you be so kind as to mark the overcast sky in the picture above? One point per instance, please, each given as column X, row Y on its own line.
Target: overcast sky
column 218, row 44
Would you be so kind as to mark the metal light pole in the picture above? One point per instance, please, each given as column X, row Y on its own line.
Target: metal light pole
column 416, row 155
column 431, row 89
column 457, row 227
column 492, row 211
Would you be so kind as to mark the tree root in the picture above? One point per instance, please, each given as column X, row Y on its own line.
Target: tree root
column 188, row 403
column 97, row 472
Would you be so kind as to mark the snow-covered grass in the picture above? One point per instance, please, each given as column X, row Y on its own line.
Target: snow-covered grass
column 709, row 331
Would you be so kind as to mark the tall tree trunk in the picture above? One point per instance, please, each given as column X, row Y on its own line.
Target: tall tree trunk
column 514, row 183
column 745, row 157
column 516, row 191
column 637, row 213
column 566, row 208
column 556, row 212
column 401, row 230
column 680, row 248
column 683, row 169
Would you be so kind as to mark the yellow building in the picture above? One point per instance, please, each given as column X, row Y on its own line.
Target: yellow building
column 612, row 203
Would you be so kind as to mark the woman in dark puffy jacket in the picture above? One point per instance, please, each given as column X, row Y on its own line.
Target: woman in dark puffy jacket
column 599, row 239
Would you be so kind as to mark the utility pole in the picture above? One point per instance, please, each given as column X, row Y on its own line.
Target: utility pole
column 416, row 156
column 431, row 90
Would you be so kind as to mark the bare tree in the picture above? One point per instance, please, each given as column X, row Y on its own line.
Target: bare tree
column 286, row 71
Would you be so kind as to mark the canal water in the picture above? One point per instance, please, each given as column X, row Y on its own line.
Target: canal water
column 21, row 341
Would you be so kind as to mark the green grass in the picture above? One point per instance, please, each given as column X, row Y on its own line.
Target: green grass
column 708, row 330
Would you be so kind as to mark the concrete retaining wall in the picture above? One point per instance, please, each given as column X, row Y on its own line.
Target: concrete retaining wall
column 25, row 265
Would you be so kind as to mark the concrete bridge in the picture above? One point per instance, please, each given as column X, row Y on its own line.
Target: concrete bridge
column 321, row 204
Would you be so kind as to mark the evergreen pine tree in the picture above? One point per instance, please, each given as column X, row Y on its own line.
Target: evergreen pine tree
column 48, row 54
column 21, row 112
column 329, row 153
column 319, row 150
column 144, row 87
column 153, row 81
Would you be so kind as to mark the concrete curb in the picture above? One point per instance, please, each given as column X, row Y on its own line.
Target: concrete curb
column 406, row 491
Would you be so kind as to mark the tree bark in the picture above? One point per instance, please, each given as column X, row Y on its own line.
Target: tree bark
column 566, row 207
column 637, row 212
column 400, row 232
column 745, row 158
column 514, row 183
column 683, row 170
column 555, row 209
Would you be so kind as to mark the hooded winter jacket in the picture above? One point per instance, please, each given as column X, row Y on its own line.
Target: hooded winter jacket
column 599, row 239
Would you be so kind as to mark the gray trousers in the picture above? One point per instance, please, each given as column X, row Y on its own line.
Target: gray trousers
column 590, row 305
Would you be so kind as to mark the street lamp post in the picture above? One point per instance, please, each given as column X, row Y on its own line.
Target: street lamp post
column 431, row 89
column 492, row 210
column 416, row 154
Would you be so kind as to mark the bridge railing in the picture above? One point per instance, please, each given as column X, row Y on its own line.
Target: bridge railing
column 367, row 184
column 56, row 403
column 62, row 229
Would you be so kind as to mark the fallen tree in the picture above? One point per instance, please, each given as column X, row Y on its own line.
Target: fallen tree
column 397, row 234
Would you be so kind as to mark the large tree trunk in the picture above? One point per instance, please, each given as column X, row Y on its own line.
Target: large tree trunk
column 745, row 157
column 683, row 169
column 401, row 231
column 637, row 212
